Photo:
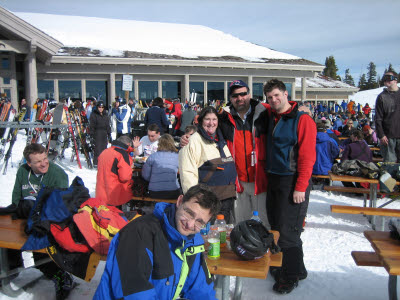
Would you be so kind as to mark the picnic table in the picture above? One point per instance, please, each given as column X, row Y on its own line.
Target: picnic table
column 387, row 251
column 373, row 188
column 229, row 264
column 12, row 236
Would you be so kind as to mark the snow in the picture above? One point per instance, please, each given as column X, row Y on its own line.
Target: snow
column 328, row 241
column 368, row 96
column 323, row 82
column 149, row 37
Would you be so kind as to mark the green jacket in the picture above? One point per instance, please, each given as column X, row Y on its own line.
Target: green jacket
column 28, row 184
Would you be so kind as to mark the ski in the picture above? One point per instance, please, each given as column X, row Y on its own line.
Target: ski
column 3, row 141
column 82, row 136
column 71, row 131
column 12, row 139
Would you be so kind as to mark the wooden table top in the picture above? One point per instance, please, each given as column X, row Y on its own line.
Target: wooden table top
column 230, row 264
column 387, row 248
column 348, row 178
column 12, row 234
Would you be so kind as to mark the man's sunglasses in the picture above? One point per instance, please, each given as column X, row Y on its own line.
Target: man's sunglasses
column 389, row 78
column 239, row 94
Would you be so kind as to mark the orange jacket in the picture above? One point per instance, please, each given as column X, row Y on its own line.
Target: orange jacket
column 114, row 175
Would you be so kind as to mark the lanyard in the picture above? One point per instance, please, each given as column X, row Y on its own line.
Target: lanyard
column 29, row 175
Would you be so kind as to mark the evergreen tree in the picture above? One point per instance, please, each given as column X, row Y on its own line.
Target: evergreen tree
column 390, row 69
column 371, row 76
column 331, row 68
column 362, row 83
column 348, row 78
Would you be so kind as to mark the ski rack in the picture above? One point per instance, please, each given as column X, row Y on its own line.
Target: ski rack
column 22, row 125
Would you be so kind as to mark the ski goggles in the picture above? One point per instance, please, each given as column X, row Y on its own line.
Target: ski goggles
column 389, row 78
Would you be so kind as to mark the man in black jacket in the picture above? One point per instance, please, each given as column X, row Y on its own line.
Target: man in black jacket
column 387, row 110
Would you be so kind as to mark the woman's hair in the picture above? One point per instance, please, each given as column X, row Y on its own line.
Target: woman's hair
column 166, row 143
column 205, row 111
column 357, row 134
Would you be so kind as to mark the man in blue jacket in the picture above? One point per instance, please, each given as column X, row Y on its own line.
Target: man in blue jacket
column 160, row 255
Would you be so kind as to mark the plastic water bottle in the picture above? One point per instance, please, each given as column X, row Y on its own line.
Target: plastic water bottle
column 221, row 224
column 214, row 248
column 256, row 217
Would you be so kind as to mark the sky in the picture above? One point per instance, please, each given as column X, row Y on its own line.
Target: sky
column 355, row 32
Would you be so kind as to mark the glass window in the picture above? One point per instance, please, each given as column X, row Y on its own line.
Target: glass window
column 289, row 90
column 215, row 91
column 258, row 91
column 8, row 93
column 198, row 88
column 171, row 89
column 120, row 93
column 97, row 89
column 7, row 80
column 69, row 89
column 45, row 89
column 5, row 63
column 148, row 90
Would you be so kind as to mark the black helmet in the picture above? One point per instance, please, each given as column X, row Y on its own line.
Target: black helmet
column 251, row 240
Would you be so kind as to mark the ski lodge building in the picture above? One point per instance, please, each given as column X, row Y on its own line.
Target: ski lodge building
column 57, row 56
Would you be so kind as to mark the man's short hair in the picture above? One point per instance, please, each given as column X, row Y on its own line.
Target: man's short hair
column 33, row 149
column 153, row 127
column 125, row 139
column 391, row 73
column 158, row 102
column 204, row 196
column 274, row 84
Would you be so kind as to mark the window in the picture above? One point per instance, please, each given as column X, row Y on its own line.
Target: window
column 198, row 88
column 45, row 89
column 97, row 89
column 258, row 91
column 215, row 91
column 7, row 80
column 171, row 89
column 69, row 89
column 8, row 93
column 148, row 90
column 120, row 93
column 5, row 63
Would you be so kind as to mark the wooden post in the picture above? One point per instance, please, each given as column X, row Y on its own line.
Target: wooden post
column 126, row 96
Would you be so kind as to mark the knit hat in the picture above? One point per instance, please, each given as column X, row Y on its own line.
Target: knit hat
column 366, row 128
column 237, row 84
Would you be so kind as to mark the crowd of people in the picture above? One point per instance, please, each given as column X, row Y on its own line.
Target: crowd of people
column 232, row 160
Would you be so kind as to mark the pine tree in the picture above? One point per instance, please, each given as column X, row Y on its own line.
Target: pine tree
column 348, row 78
column 390, row 69
column 371, row 76
column 331, row 68
column 362, row 83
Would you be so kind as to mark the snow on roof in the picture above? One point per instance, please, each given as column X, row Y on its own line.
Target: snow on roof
column 113, row 36
column 322, row 81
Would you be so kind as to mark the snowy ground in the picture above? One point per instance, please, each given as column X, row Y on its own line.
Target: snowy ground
column 328, row 241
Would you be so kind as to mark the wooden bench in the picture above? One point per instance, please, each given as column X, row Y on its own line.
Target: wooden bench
column 366, row 259
column 372, row 211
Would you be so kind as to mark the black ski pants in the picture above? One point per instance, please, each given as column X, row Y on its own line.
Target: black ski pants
column 287, row 217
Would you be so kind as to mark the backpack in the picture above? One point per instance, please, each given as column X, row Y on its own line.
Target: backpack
column 355, row 167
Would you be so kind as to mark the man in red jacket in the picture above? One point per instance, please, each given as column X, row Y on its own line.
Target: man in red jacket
column 291, row 141
column 114, row 173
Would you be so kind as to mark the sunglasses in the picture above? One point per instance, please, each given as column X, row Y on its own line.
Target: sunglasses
column 239, row 94
column 389, row 78
column 101, row 107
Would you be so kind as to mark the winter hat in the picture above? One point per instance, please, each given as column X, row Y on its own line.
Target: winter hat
column 237, row 84
column 366, row 128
